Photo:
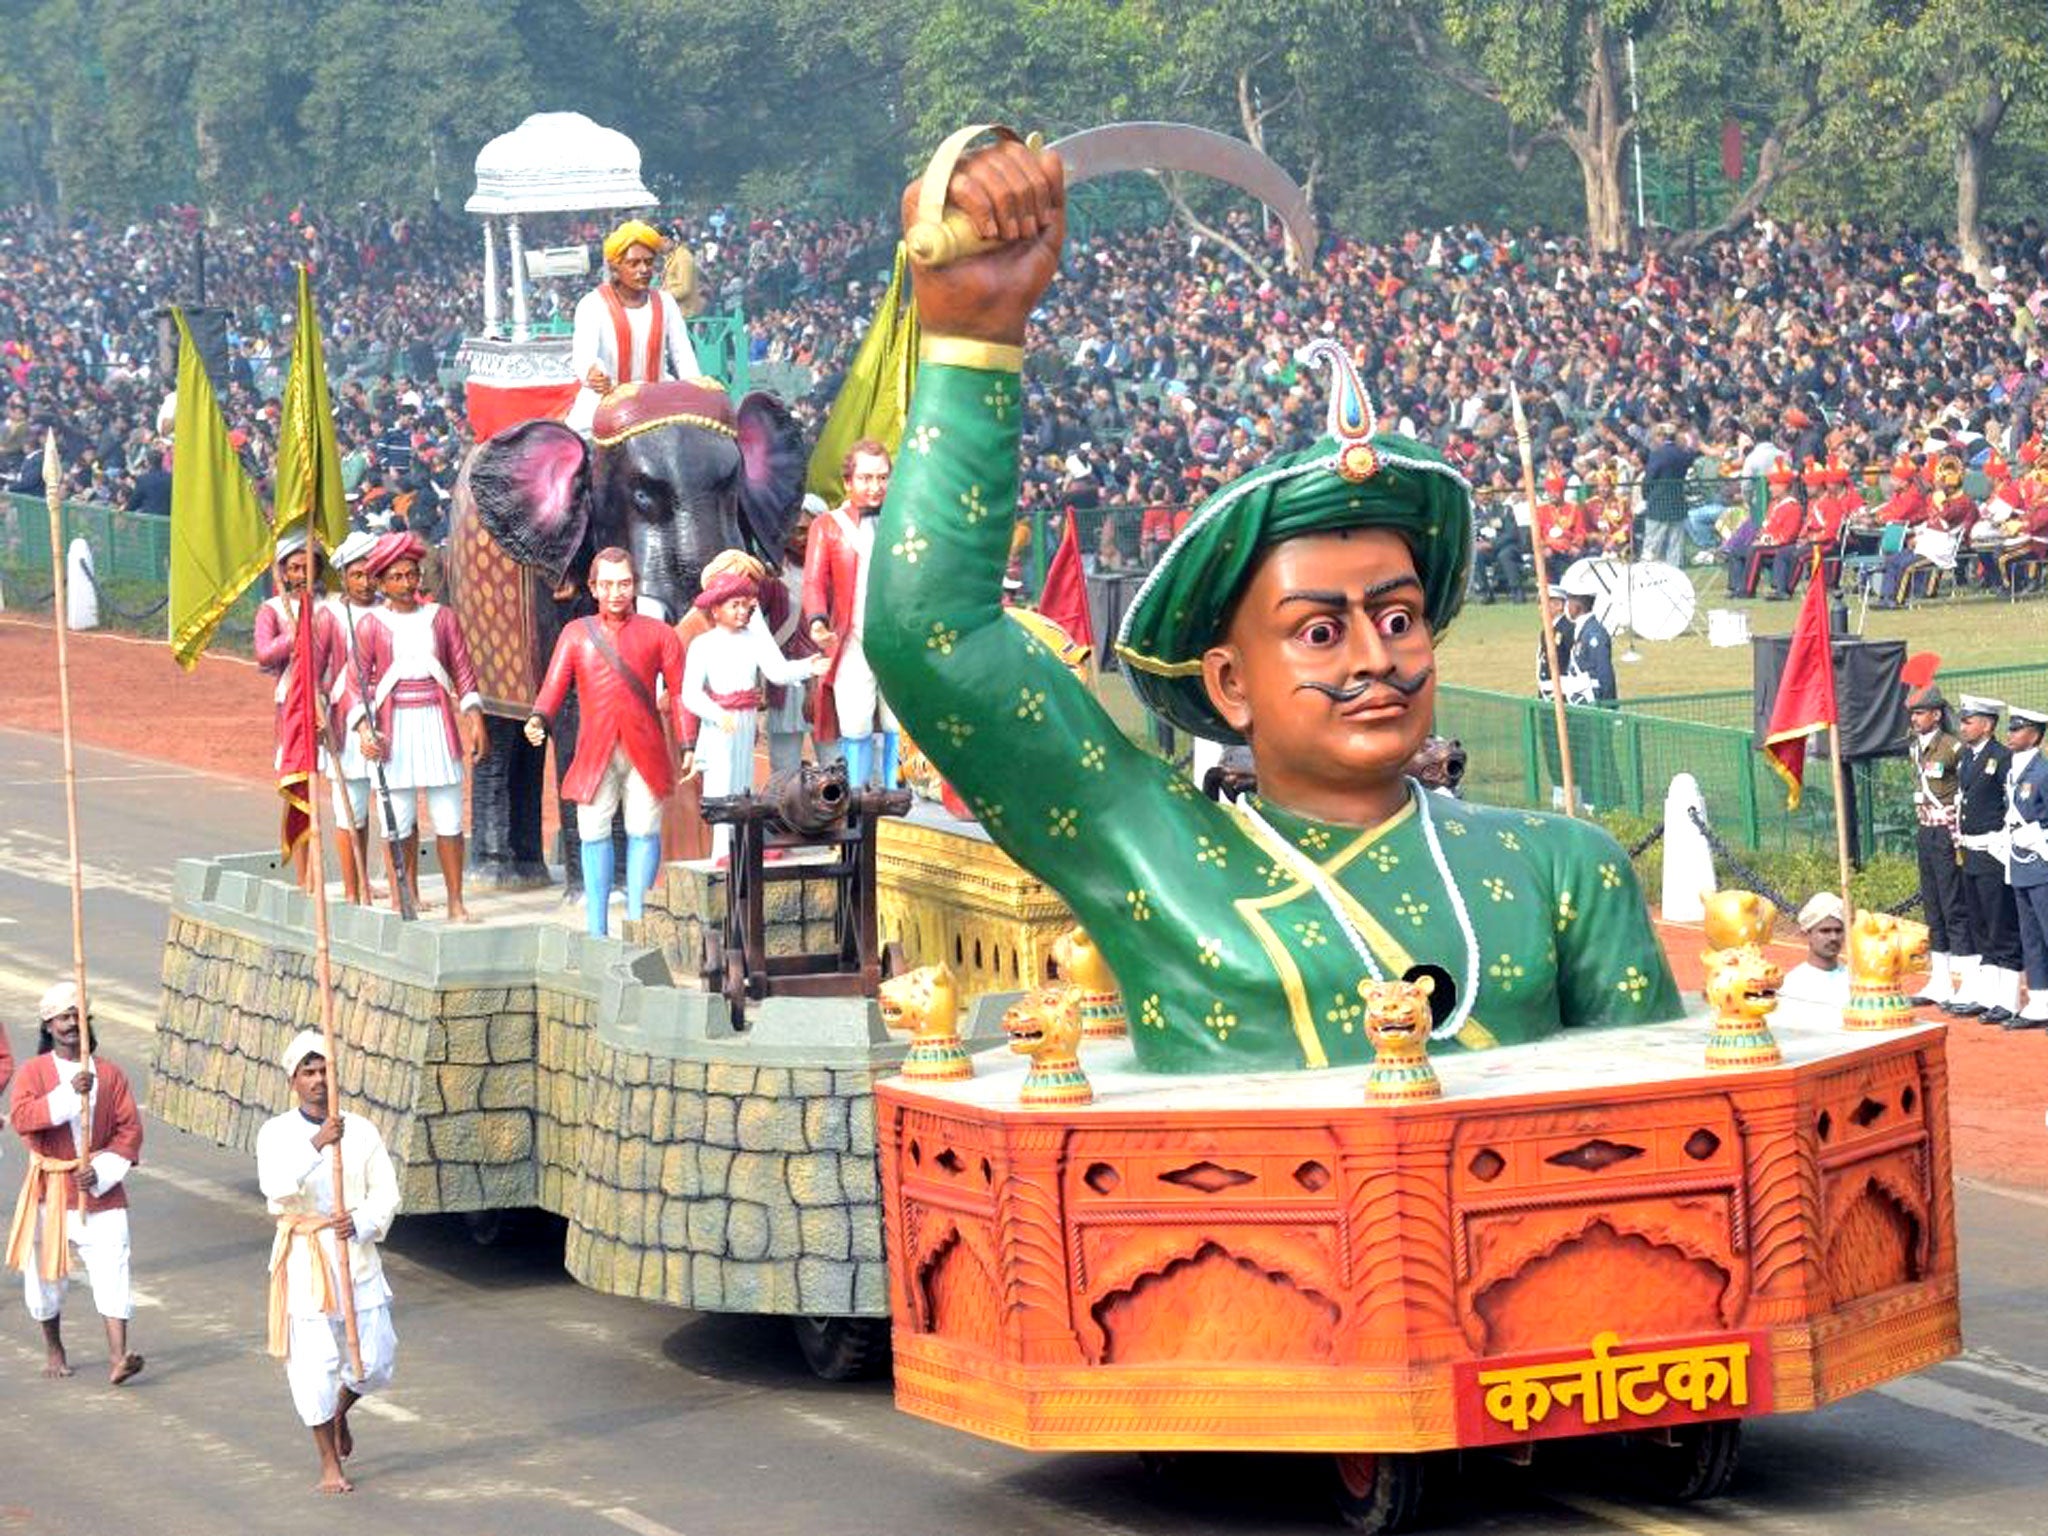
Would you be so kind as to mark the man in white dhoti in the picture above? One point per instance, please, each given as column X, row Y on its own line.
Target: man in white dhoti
column 722, row 675
column 626, row 331
column 296, row 1172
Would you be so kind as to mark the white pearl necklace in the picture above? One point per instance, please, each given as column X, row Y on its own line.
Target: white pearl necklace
column 1312, row 874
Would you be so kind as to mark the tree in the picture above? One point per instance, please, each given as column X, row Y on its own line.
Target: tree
column 1559, row 70
column 1929, row 78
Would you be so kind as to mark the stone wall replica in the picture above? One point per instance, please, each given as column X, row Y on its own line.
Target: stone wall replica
column 699, row 1164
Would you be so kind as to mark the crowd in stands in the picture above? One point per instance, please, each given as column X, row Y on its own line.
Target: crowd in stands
column 1164, row 364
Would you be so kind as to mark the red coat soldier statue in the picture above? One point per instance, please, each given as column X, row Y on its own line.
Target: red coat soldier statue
column 615, row 658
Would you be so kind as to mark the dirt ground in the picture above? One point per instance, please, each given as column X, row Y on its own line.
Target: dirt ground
column 128, row 695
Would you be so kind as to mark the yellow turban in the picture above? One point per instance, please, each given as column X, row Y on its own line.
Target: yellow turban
column 631, row 233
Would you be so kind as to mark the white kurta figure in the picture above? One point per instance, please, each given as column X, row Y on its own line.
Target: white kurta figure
column 722, row 677
column 81, row 595
column 1688, row 860
column 298, row 1186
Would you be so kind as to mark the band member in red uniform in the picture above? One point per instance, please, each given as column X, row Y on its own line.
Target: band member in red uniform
column 427, row 712
column 1908, row 502
column 1780, row 529
column 1561, row 525
column 615, row 658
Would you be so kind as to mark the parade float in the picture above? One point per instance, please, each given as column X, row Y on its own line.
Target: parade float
column 1370, row 1127
column 1408, row 1146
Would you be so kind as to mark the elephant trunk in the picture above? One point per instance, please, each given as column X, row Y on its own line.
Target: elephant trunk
column 671, row 555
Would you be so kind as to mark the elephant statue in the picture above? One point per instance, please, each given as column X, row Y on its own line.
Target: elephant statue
column 674, row 472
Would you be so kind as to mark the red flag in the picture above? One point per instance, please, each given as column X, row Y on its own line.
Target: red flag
column 298, row 739
column 1064, row 599
column 1806, row 693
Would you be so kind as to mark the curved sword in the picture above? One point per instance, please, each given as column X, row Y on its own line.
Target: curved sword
column 1115, row 147
column 943, row 235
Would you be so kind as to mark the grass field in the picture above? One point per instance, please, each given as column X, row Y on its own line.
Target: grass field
column 1495, row 647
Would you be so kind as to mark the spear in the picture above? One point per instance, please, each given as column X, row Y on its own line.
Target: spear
column 53, row 498
column 323, row 961
column 1564, row 745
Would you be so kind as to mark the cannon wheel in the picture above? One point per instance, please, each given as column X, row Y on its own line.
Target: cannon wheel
column 844, row 1348
column 1692, row 1462
column 1376, row 1492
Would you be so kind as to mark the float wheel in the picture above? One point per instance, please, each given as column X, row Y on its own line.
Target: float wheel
column 843, row 1348
column 1377, row 1492
column 1696, row 1461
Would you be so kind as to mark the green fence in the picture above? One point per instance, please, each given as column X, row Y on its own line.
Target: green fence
column 131, row 555
column 126, row 546
column 2019, row 683
column 1625, row 760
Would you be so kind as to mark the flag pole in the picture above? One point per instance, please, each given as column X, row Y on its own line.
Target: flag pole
column 1835, row 744
column 53, row 498
column 323, row 959
column 1564, row 745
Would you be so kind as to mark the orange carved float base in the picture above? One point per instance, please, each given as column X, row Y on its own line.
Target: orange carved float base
column 1588, row 1235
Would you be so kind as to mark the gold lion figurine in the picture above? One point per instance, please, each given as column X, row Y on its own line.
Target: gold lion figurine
column 1742, row 988
column 926, row 1002
column 1102, row 1004
column 1883, row 951
column 1736, row 918
column 1397, row 1021
column 1045, row 1025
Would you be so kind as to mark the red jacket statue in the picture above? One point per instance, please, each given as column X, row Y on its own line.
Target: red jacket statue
column 612, row 712
column 831, row 586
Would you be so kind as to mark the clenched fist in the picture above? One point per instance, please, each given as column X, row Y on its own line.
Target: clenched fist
column 1011, row 193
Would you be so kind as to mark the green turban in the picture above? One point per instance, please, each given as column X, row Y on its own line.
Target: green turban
column 1180, row 610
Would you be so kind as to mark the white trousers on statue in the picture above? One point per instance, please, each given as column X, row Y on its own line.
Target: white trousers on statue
column 444, row 810
column 857, row 702
column 621, row 781
column 726, row 760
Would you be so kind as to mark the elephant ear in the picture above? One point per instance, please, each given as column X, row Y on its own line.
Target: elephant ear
column 531, row 488
column 772, row 466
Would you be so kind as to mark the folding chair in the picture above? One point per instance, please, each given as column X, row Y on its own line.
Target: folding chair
column 1866, row 569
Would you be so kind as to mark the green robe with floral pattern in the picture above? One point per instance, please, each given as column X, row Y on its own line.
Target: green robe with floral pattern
column 1228, row 960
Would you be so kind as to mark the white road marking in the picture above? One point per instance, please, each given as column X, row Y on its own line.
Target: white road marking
column 1970, row 1408
column 632, row 1520
column 139, row 1298
column 109, row 1000
column 51, row 865
column 1634, row 1520
column 384, row 1408
column 246, row 1201
column 944, row 1466
column 2014, row 1373
column 2006, row 1191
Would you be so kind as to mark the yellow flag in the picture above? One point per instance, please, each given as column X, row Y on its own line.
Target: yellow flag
column 875, row 398
column 308, row 459
column 219, row 540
